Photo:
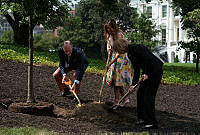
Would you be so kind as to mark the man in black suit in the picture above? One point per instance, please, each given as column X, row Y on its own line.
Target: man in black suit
column 70, row 59
column 143, row 59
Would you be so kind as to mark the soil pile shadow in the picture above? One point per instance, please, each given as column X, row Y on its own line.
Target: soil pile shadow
column 94, row 112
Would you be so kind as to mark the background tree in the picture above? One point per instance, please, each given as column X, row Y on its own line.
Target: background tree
column 15, row 12
column 45, row 42
column 72, row 31
column 192, row 23
column 94, row 14
column 126, row 15
column 7, row 37
column 189, row 10
column 144, row 31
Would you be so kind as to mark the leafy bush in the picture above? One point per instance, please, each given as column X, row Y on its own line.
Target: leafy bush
column 19, row 53
column 176, row 60
column 45, row 42
column 194, row 58
column 7, row 37
column 72, row 31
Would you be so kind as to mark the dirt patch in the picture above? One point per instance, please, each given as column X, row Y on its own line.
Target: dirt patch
column 177, row 106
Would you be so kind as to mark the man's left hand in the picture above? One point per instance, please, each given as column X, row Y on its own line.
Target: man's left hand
column 75, row 86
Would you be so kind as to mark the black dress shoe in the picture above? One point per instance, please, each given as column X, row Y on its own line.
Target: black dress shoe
column 139, row 122
column 65, row 92
column 148, row 127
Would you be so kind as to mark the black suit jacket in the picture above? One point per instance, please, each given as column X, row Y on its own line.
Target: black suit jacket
column 77, row 61
column 142, row 58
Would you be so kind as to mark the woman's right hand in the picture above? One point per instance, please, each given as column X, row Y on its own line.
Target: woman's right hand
column 109, row 48
column 107, row 67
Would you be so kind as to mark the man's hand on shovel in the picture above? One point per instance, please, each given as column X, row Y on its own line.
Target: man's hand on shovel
column 65, row 79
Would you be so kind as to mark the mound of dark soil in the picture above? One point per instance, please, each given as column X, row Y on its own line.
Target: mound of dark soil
column 177, row 106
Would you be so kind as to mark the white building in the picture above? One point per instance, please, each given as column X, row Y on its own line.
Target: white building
column 4, row 25
column 73, row 4
column 169, row 22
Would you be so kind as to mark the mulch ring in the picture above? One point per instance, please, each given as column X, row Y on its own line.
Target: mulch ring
column 177, row 106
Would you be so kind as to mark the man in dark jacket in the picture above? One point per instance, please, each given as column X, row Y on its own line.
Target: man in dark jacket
column 143, row 59
column 70, row 59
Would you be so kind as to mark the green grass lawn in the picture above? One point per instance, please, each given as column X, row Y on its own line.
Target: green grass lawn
column 174, row 73
column 35, row 131
column 181, row 73
column 25, row 131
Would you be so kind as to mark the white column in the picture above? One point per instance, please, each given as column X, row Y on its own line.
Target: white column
column 191, row 57
column 181, row 36
column 171, row 25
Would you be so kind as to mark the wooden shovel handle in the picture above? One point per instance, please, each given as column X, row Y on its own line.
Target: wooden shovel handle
column 135, row 86
column 104, row 78
column 69, row 82
column 127, row 94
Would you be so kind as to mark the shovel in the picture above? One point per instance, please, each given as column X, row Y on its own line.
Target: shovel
column 104, row 78
column 69, row 82
column 126, row 95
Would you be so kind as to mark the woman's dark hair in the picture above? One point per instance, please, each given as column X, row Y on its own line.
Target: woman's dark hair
column 111, row 28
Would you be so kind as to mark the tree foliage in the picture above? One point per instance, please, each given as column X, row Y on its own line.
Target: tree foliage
column 189, row 9
column 126, row 15
column 185, row 6
column 47, row 41
column 94, row 14
column 7, row 37
column 50, row 13
column 72, row 31
column 144, row 32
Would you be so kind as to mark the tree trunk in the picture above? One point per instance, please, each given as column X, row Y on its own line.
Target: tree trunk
column 186, row 57
column 197, row 63
column 21, row 31
column 31, row 96
column 21, row 35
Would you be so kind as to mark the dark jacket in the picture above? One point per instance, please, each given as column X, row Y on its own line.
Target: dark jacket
column 142, row 58
column 77, row 61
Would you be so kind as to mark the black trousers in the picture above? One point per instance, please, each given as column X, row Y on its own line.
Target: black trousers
column 146, row 95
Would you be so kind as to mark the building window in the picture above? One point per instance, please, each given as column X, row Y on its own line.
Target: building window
column 149, row 12
column 163, row 36
column 164, row 11
column 177, row 34
column 6, row 26
column 76, row 5
column 135, row 9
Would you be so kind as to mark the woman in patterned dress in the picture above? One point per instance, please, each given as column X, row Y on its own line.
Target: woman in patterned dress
column 119, row 68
